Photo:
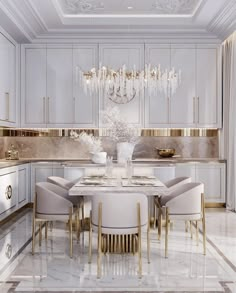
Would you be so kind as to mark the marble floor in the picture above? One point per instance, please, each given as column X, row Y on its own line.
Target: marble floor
column 185, row 270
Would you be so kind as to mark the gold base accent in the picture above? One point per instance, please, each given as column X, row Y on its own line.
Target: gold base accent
column 119, row 243
column 156, row 132
column 14, row 214
column 214, row 205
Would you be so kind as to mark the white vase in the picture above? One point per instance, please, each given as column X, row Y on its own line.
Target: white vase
column 124, row 151
column 99, row 158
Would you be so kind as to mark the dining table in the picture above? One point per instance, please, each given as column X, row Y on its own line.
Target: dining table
column 89, row 186
column 92, row 185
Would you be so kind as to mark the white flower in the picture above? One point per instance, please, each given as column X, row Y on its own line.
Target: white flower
column 93, row 143
column 118, row 128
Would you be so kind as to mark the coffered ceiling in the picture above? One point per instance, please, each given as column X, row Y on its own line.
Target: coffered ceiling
column 128, row 7
column 57, row 20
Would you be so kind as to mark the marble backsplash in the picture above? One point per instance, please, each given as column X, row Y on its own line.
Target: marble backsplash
column 64, row 147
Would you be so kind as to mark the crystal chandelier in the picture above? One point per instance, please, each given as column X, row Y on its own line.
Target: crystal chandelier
column 122, row 85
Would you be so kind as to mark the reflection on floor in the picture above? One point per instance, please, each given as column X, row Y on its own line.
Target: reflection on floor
column 185, row 270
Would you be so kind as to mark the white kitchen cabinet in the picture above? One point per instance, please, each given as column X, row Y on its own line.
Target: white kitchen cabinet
column 186, row 170
column 182, row 101
column 212, row 175
column 165, row 173
column 157, row 110
column 115, row 56
column 14, row 189
column 51, row 95
column 41, row 171
column 23, row 184
column 86, row 106
column 73, row 173
column 213, row 178
column 60, row 100
column 47, row 90
column 7, row 82
column 8, row 191
column 208, row 87
column 197, row 101
column 33, row 96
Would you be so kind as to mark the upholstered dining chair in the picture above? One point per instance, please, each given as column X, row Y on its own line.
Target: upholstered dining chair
column 119, row 219
column 171, row 186
column 185, row 203
column 66, row 184
column 52, row 204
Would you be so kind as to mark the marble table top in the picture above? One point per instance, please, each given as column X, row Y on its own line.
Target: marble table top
column 117, row 185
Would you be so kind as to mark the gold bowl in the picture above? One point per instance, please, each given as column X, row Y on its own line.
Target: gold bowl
column 166, row 153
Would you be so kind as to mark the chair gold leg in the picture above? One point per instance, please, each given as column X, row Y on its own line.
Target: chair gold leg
column 90, row 239
column 40, row 234
column 166, row 236
column 155, row 216
column 186, row 226
column 78, row 223
column 191, row 229
column 33, row 227
column 148, row 242
column 82, row 208
column 99, row 240
column 159, row 223
column 46, row 230
column 203, row 225
column 71, row 232
column 139, row 240
column 197, row 233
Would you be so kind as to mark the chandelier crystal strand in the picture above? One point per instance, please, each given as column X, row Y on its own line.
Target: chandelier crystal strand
column 122, row 85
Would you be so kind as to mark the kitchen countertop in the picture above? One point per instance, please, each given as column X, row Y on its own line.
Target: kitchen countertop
column 145, row 162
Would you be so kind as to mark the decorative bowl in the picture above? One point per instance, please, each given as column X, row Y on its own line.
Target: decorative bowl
column 166, row 153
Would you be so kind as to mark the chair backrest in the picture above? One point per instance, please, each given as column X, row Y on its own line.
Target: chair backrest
column 177, row 182
column 119, row 210
column 51, row 199
column 62, row 182
column 185, row 200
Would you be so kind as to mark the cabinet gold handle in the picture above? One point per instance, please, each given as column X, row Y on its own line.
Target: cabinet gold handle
column 198, row 108
column 193, row 109
column 168, row 104
column 44, row 110
column 74, row 110
column 8, row 192
column 7, row 105
column 48, row 111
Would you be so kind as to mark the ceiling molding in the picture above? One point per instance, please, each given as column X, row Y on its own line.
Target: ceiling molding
column 41, row 21
column 14, row 19
column 36, row 15
column 224, row 23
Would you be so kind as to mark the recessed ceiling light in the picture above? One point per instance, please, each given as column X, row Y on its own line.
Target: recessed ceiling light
column 130, row 7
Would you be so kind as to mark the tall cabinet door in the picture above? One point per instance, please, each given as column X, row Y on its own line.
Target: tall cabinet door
column 86, row 106
column 157, row 105
column 3, row 78
column 207, row 87
column 182, row 110
column 33, row 107
column 60, row 104
column 7, row 81
column 115, row 56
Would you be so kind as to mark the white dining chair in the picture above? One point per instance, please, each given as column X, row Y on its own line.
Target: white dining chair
column 119, row 218
column 185, row 203
column 171, row 185
column 66, row 184
column 51, row 204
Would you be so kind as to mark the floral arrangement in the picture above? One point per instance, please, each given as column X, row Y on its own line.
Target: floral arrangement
column 93, row 143
column 118, row 128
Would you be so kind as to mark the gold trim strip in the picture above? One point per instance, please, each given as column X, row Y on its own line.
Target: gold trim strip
column 214, row 205
column 165, row 132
